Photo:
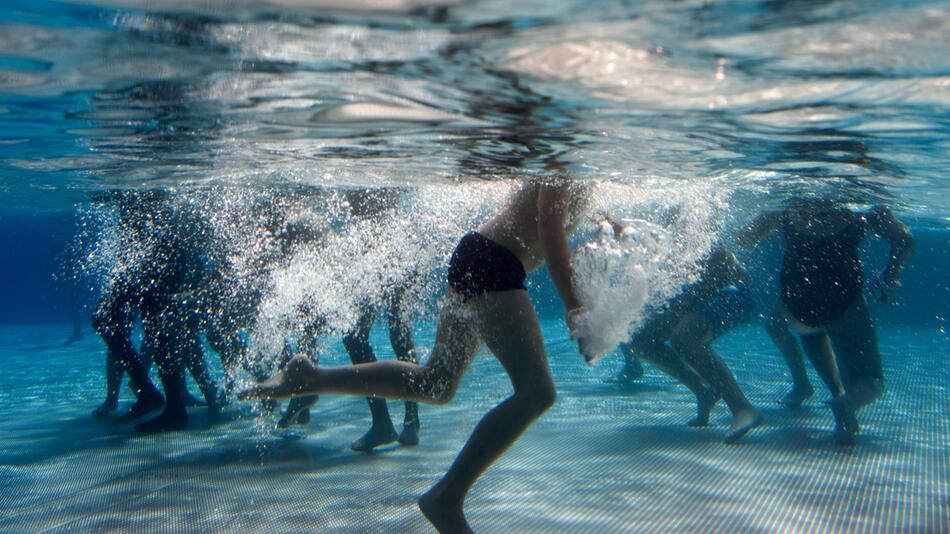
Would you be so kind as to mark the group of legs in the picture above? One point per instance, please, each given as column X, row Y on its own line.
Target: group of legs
column 170, row 337
column 357, row 344
column 845, row 355
column 822, row 298
column 486, row 303
column 678, row 342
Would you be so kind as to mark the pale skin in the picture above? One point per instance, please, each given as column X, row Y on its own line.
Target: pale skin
column 534, row 226
column 844, row 352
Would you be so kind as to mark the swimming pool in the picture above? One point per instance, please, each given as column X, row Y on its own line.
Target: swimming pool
column 253, row 120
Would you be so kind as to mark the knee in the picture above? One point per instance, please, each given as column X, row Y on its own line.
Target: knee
column 537, row 399
column 437, row 386
column 439, row 392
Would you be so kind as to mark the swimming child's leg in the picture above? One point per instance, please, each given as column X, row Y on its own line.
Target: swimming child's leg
column 357, row 346
column 661, row 356
column 435, row 382
column 690, row 340
column 400, row 337
column 509, row 325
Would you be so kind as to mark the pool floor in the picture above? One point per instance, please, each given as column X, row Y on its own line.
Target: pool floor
column 605, row 458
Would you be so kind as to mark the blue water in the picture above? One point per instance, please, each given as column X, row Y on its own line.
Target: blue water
column 237, row 110
column 606, row 458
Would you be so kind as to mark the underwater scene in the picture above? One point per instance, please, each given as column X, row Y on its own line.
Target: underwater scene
column 474, row 266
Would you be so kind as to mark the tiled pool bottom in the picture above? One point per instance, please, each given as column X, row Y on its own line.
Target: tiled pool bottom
column 605, row 459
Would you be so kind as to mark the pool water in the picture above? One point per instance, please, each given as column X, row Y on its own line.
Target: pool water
column 606, row 458
column 222, row 125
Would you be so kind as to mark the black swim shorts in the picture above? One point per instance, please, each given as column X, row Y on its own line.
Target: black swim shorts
column 480, row 265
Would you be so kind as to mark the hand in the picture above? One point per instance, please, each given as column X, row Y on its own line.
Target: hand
column 583, row 343
column 886, row 287
column 573, row 319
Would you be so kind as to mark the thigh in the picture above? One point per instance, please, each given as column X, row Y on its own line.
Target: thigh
column 816, row 345
column 695, row 329
column 456, row 342
column 509, row 325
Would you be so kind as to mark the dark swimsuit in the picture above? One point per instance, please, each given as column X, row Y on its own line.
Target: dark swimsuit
column 822, row 276
column 728, row 309
column 479, row 265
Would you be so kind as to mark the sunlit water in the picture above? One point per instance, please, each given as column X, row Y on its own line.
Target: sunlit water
column 686, row 118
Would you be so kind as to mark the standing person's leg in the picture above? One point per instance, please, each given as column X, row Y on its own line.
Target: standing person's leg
column 193, row 356
column 859, row 363
column 776, row 326
column 818, row 349
column 114, row 372
column 112, row 321
column 509, row 325
column 357, row 346
column 690, row 340
column 308, row 344
column 224, row 340
column 632, row 368
column 435, row 382
column 400, row 337
column 661, row 356
column 162, row 328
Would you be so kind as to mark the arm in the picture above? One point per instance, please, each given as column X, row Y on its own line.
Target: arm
column 760, row 227
column 881, row 221
column 553, row 200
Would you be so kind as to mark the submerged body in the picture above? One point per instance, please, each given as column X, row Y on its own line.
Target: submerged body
column 822, row 295
column 533, row 228
column 704, row 311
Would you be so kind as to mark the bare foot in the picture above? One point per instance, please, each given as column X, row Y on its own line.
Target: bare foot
column 446, row 517
column 219, row 401
column 299, row 375
column 705, row 402
column 166, row 421
column 298, row 410
column 846, row 422
column 191, row 401
column 742, row 422
column 843, row 437
column 409, row 435
column 631, row 371
column 374, row 438
column 797, row 396
column 108, row 406
column 147, row 402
